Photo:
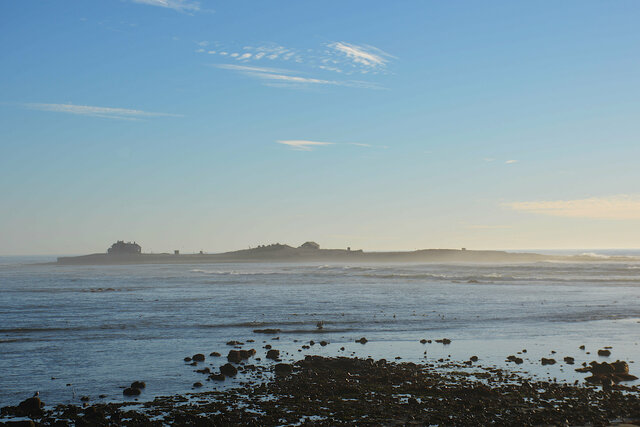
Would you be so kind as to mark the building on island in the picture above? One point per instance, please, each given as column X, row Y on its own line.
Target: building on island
column 122, row 248
column 309, row 245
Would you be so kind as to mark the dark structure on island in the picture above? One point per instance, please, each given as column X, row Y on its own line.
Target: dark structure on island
column 309, row 245
column 122, row 248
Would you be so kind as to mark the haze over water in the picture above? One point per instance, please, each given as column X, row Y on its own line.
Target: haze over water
column 100, row 327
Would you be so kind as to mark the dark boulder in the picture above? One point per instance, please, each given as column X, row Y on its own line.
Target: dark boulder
column 546, row 361
column 362, row 340
column 234, row 356
column 131, row 391
column 228, row 370
column 217, row 377
column 214, row 354
column 237, row 356
column 515, row 359
column 245, row 354
column 620, row 367
column 605, row 353
column 138, row 384
column 31, row 407
column 273, row 354
column 198, row 357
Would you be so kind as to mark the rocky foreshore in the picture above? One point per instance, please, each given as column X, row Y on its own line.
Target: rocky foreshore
column 347, row 390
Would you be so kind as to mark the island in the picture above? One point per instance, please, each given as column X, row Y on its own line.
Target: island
column 309, row 252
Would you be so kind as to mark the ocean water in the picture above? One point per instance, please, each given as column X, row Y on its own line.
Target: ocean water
column 72, row 331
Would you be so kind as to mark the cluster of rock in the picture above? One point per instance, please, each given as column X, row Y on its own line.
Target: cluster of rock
column 237, row 356
column 608, row 373
column 31, row 407
column 228, row 369
column 134, row 389
column 515, row 359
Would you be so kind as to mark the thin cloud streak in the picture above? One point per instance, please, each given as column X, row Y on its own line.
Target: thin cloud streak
column 287, row 77
column 250, row 69
column 181, row 5
column 368, row 56
column 620, row 207
column 304, row 145
column 102, row 112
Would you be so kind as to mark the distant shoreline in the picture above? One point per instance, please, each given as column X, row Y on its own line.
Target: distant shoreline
column 288, row 254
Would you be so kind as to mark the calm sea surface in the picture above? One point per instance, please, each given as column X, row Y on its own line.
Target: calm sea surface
column 70, row 331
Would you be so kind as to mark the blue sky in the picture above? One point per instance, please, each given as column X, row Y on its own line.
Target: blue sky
column 217, row 125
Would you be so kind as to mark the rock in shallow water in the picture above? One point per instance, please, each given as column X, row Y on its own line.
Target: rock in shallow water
column 273, row 354
column 607, row 373
column 129, row 391
column 31, row 407
column 228, row 370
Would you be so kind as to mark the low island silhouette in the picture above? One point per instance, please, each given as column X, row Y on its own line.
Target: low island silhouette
column 123, row 252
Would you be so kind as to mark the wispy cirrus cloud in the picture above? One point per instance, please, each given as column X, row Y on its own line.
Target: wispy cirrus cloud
column 301, row 144
column 306, row 145
column 330, row 64
column 368, row 56
column 289, row 77
column 181, row 5
column 93, row 111
column 510, row 162
column 620, row 207
column 250, row 69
